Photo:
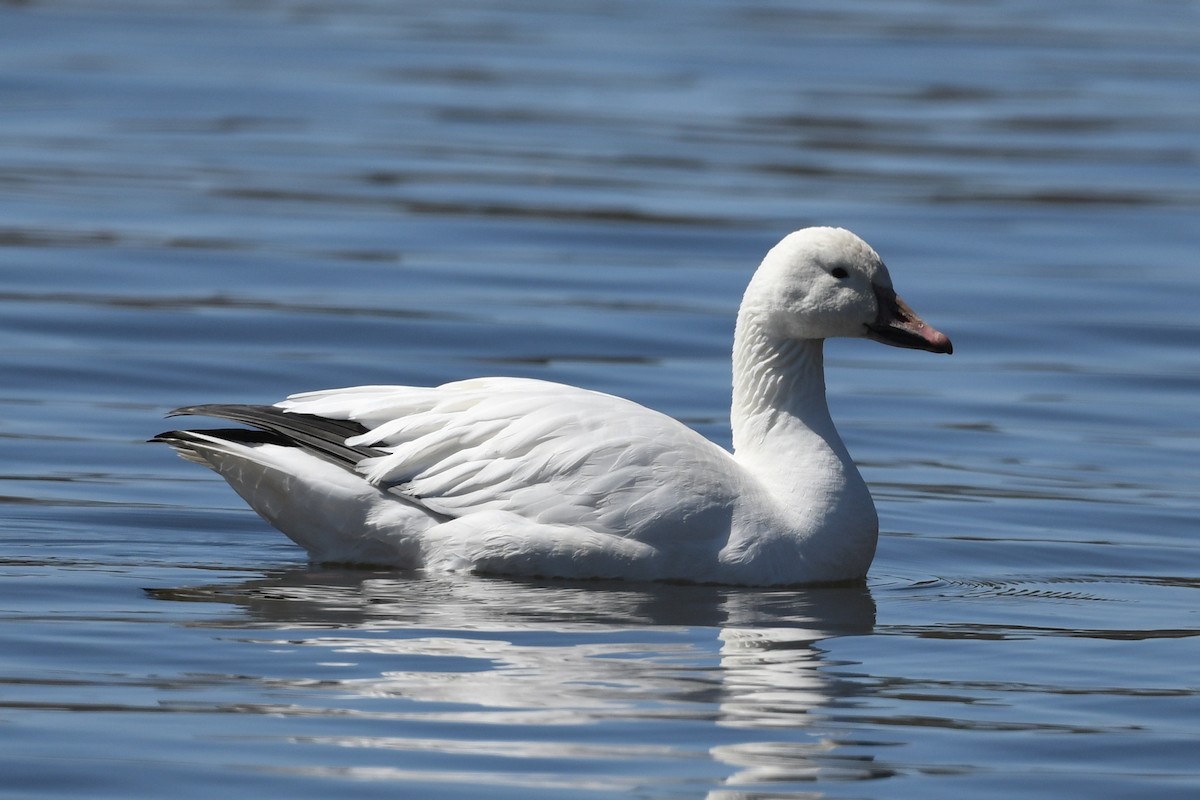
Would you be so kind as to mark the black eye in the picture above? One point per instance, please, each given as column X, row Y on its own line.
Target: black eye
column 839, row 272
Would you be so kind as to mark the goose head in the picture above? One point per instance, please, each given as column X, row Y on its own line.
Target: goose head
column 820, row 283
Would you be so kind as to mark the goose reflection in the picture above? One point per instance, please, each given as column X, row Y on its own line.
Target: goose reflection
column 467, row 650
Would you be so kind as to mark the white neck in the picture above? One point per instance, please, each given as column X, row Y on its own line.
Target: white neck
column 782, row 431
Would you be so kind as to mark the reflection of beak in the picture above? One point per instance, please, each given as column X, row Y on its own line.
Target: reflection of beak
column 898, row 325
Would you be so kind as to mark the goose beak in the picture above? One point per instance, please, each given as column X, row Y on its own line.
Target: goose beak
column 898, row 325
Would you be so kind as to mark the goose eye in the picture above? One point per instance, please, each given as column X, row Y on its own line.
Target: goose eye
column 839, row 272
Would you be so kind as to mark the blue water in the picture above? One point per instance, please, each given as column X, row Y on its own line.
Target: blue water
column 230, row 201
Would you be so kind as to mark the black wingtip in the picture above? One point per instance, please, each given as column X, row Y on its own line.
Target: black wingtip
column 320, row 435
column 218, row 410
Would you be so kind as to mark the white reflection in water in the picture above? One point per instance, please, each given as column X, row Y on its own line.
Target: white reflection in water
column 564, row 657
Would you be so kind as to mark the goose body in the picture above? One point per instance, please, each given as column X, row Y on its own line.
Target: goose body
column 526, row 477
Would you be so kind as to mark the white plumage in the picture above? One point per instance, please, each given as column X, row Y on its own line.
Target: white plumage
column 527, row 477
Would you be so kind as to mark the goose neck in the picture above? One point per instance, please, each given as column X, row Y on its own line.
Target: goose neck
column 778, row 384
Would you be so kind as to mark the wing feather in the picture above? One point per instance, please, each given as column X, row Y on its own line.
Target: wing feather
column 547, row 452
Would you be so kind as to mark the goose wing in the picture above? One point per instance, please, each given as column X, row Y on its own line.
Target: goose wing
column 549, row 453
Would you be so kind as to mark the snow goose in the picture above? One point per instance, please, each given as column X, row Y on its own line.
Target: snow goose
column 527, row 477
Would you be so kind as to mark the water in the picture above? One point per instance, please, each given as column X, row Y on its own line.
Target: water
column 207, row 202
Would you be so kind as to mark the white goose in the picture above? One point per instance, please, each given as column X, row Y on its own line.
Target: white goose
column 526, row 477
